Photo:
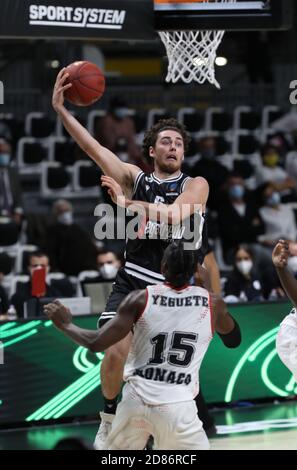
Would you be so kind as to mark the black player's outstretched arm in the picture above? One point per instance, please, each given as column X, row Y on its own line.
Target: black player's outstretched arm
column 280, row 257
column 225, row 325
column 112, row 332
column 124, row 173
column 193, row 199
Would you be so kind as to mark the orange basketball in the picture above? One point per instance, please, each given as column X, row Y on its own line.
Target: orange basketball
column 88, row 83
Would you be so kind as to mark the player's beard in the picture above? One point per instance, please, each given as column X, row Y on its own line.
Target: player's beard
column 169, row 167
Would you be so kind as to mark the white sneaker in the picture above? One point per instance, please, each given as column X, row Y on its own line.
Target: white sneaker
column 103, row 431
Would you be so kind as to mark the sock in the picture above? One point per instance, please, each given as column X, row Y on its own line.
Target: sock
column 110, row 406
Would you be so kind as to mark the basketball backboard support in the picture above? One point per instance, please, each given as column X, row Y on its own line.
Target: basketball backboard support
column 238, row 16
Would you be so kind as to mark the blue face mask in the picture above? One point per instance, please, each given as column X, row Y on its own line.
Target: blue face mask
column 236, row 191
column 4, row 159
column 120, row 113
column 273, row 200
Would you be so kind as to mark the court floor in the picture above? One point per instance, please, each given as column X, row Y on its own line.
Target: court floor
column 270, row 426
column 280, row 440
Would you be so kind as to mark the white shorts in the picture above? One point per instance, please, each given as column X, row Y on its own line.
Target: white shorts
column 174, row 426
column 286, row 346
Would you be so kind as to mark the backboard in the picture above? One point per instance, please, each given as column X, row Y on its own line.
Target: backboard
column 217, row 15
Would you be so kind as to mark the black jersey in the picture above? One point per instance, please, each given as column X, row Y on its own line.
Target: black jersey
column 144, row 254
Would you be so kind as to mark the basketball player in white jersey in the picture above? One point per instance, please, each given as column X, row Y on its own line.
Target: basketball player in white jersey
column 173, row 324
column 286, row 340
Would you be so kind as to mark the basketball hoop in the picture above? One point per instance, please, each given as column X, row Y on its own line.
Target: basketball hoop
column 192, row 54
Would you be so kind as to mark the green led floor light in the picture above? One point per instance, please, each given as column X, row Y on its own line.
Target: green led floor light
column 249, row 355
column 265, row 378
column 7, row 326
column 75, row 392
column 20, row 338
column 19, row 329
column 80, row 360
column 261, row 347
column 291, row 385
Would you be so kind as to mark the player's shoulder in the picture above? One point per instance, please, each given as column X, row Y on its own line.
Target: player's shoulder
column 197, row 181
column 133, row 304
column 134, row 170
column 137, row 296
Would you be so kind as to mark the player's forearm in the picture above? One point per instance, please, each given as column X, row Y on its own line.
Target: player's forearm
column 215, row 282
column 289, row 283
column 85, row 338
column 97, row 340
column 214, row 273
column 172, row 214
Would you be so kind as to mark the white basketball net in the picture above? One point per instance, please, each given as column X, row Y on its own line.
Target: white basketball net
column 192, row 54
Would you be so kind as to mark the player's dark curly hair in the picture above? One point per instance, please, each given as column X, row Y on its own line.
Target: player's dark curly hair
column 151, row 135
column 178, row 264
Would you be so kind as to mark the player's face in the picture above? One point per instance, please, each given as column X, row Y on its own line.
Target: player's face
column 168, row 151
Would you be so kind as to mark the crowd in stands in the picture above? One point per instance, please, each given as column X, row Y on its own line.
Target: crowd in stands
column 252, row 204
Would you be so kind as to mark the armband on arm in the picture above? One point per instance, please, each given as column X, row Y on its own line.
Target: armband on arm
column 233, row 338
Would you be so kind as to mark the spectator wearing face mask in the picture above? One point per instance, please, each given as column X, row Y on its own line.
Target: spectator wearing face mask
column 117, row 132
column 108, row 264
column 243, row 283
column 10, row 190
column 279, row 220
column 70, row 248
column 239, row 220
column 272, row 172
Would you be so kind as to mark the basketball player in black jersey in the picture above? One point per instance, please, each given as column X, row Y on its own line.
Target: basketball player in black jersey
column 166, row 194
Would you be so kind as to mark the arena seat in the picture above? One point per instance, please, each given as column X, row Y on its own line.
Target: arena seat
column 245, row 118
column 9, row 233
column 38, row 125
column 216, row 119
column 86, row 179
column 192, row 119
column 17, row 279
column 31, row 152
column 93, row 117
column 270, row 114
column 55, row 181
column 244, row 143
column 154, row 115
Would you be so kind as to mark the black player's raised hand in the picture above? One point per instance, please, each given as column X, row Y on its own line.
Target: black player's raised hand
column 281, row 254
column 114, row 190
column 60, row 88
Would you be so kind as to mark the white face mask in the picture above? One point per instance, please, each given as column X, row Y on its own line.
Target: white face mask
column 66, row 218
column 244, row 266
column 292, row 264
column 108, row 271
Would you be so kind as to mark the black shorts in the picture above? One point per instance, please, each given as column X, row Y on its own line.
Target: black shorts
column 123, row 285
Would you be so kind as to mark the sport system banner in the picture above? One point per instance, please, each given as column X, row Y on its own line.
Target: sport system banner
column 77, row 19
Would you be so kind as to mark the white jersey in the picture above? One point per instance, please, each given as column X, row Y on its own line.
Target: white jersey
column 291, row 319
column 170, row 340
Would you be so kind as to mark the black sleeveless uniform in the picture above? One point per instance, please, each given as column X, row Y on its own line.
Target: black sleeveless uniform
column 143, row 255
